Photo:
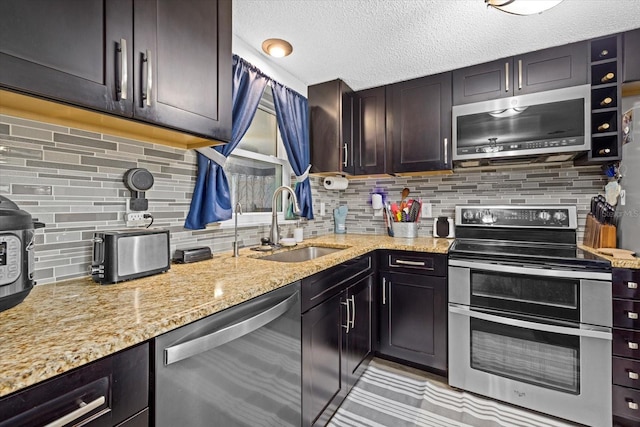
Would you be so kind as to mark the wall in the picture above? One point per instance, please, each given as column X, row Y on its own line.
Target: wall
column 542, row 185
column 72, row 181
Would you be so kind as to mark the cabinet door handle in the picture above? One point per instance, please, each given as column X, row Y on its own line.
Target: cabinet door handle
column 519, row 74
column 632, row 405
column 345, row 163
column 348, row 316
column 633, row 375
column 632, row 345
column 353, row 311
column 384, row 291
column 124, row 75
column 632, row 285
column 506, row 77
column 445, row 144
column 412, row 263
column 146, row 89
column 632, row 315
column 84, row 408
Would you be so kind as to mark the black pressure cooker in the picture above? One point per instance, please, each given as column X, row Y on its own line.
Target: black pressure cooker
column 16, row 253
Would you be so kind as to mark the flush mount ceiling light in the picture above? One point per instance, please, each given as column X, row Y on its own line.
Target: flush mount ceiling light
column 277, row 48
column 523, row 7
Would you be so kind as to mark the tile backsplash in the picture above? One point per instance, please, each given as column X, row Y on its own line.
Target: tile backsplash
column 72, row 181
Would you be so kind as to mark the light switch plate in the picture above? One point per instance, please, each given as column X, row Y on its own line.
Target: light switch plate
column 427, row 210
column 322, row 208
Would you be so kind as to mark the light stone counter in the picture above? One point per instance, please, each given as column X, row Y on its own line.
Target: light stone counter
column 64, row 325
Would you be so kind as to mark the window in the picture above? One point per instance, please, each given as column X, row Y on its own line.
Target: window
column 257, row 166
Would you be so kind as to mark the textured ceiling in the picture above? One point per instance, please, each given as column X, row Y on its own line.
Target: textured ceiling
column 374, row 42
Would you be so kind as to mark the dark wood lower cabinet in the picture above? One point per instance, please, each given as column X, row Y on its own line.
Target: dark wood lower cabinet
column 412, row 305
column 323, row 387
column 336, row 337
column 413, row 317
column 113, row 391
column 626, row 348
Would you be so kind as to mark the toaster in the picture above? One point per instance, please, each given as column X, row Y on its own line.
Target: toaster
column 129, row 254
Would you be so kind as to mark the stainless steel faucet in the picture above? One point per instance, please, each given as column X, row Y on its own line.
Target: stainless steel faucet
column 274, row 234
column 238, row 211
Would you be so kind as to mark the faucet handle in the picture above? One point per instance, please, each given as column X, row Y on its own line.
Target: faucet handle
column 265, row 241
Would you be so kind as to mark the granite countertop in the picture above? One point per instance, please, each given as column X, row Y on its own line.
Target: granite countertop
column 615, row 262
column 65, row 325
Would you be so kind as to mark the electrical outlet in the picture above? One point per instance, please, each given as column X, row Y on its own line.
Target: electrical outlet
column 322, row 208
column 135, row 219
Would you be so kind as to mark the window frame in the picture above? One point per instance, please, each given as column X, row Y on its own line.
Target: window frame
column 254, row 219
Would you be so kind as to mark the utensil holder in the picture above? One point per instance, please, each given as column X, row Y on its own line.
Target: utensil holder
column 405, row 229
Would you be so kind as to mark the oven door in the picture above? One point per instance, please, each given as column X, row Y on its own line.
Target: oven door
column 562, row 371
column 518, row 334
column 532, row 290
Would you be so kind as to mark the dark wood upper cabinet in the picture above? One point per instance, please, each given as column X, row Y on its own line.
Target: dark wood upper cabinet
column 68, row 51
column 547, row 69
column 180, row 48
column 419, row 124
column 334, row 127
column 631, row 56
column 371, row 155
column 111, row 56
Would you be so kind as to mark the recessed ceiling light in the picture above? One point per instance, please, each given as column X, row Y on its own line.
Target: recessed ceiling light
column 277, row 48
column 523, row 7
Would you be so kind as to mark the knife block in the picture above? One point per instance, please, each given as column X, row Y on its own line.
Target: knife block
column 598, row 235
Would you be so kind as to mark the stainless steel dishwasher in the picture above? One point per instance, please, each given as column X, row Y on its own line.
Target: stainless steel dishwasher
column 239, row 367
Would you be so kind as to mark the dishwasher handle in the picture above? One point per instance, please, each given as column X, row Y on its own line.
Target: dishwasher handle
column 215, row 339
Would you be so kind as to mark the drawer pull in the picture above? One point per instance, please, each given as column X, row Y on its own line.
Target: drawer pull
column 83, row 409
column 632, row 285
column 413, row 263
column 633, row 375
column 633, row 345
column 632, row 315
column 633, row 405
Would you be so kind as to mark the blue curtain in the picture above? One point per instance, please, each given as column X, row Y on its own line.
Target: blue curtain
column 211, row 201
column 292, row 113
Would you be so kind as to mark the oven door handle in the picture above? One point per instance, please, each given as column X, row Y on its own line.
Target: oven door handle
column 531, row 271
column 588, row 331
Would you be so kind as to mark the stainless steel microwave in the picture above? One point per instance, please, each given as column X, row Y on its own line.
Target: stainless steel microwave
column 552, row 126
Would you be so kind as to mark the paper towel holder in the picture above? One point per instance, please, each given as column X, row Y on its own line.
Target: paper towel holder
column 338, row 182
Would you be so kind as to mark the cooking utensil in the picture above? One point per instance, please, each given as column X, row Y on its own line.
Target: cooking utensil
column 414, row 210
column 388, row 220
column 405, row 194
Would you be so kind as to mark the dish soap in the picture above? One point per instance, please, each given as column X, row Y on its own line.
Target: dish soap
column 340, row 219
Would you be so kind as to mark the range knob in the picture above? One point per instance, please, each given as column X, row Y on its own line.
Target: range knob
column 468, row 214
column 544, row 215
column 559, row 216
column 488, row 217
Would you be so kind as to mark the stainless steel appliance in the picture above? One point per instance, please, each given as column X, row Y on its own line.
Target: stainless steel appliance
column 628, row 210
column 240, row 367
column 129, row 254
column 550, row 126
column 16, row 253
column 530, row 313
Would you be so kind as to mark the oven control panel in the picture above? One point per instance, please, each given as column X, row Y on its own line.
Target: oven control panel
column 10, row 258
column 517, row 216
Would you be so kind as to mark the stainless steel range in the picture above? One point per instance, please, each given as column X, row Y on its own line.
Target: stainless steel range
column 530, row 312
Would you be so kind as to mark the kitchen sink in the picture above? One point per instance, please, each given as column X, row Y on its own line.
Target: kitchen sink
column 301, row 254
